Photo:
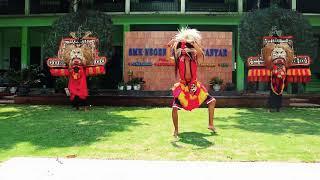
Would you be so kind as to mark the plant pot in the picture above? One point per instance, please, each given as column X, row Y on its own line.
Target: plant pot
column 136, row 87
column 120, row 88
column 13, row 90
column 129, row 87
column 216, row 87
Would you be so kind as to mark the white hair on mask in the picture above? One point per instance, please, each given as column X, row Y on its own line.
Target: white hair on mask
column 188, row 35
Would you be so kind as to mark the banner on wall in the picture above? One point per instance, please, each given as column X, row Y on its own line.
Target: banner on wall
column 145, row 57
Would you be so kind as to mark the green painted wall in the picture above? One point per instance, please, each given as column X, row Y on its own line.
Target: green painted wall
column 176, row 19
column 36, row 37
column 117, row 35
column 126, row 28
column 25, row 48
column 11, row 37
column 240, row 67
column 27, row 21
column 1, row 49
column 314, row 20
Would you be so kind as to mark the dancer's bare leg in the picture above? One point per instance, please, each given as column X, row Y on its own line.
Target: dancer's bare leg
column 175, row 121
column 211, row 107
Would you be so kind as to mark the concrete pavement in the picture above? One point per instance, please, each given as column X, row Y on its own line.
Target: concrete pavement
column 80, row 169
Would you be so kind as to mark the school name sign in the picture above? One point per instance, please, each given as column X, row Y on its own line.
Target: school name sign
column 145, row 56
column 223, row 52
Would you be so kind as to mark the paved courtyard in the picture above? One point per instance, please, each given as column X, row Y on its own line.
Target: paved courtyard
column 67, row 169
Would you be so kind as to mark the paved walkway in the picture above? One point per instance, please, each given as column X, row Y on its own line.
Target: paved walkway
column 78, row 169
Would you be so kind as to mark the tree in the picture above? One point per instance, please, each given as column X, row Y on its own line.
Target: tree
column 80, row 21
column 258, row 23
column 83, row 20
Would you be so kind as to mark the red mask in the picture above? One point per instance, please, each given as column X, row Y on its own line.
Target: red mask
column 183, row 46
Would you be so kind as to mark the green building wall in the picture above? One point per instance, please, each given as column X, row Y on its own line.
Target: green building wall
column 31, row 31
column 9, row 37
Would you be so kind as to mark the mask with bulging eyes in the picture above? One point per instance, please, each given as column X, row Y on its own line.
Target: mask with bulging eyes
column 279, row 56
column 76, row 56
column 193, row 88
column 278, row 53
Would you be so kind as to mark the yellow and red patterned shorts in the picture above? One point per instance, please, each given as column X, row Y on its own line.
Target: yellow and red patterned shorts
column 190, row 96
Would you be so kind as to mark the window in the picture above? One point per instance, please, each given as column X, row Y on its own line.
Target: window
column 12, row 7
column 49, row 6
column 154, row 5
column 308, row 6
column 250, row 5
column 212, row 5
column 109, row 5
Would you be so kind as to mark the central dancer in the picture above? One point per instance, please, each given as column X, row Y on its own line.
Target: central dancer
column 189, row 93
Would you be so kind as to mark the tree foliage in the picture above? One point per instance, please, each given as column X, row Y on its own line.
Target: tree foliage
column 258, row 23
column 83, row 20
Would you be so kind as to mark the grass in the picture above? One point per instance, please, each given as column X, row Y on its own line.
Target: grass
column 145, row 133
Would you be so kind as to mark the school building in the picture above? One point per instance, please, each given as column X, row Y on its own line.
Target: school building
column 24, row 26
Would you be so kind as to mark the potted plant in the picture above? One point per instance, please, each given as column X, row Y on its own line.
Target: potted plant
column 14, row 77
column 137, row 83
column 134, row 83
column 121, row 86
column 20, row 81
column 3, row 82
column 141, row 83
column 216, row 83
column 129, row 85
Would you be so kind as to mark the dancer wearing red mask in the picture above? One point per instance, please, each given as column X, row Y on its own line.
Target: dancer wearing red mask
column 77, row 59
column 189, row 93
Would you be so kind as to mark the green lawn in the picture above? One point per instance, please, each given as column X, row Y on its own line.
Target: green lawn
column 146, row 133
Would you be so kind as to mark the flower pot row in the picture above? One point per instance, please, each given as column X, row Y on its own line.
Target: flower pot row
column 133, row 84
column 129, row 87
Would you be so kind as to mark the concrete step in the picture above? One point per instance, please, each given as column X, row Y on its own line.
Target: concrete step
column 6, row 101
column 298, row 100
column 7, row 97
column 304, row 105
column 314, row 90
column 313, row 85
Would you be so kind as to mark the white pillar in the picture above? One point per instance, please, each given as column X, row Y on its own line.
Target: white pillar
column 240, row 6
column 26, row 7
column 183, row 6
column 127, row 7
column 75, row 5
column 294, row 5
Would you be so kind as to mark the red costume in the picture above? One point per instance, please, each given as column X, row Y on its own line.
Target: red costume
column 188, row 93
column 77, row 59
column 78, row 83
column 278, row 65
column 278, row 77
